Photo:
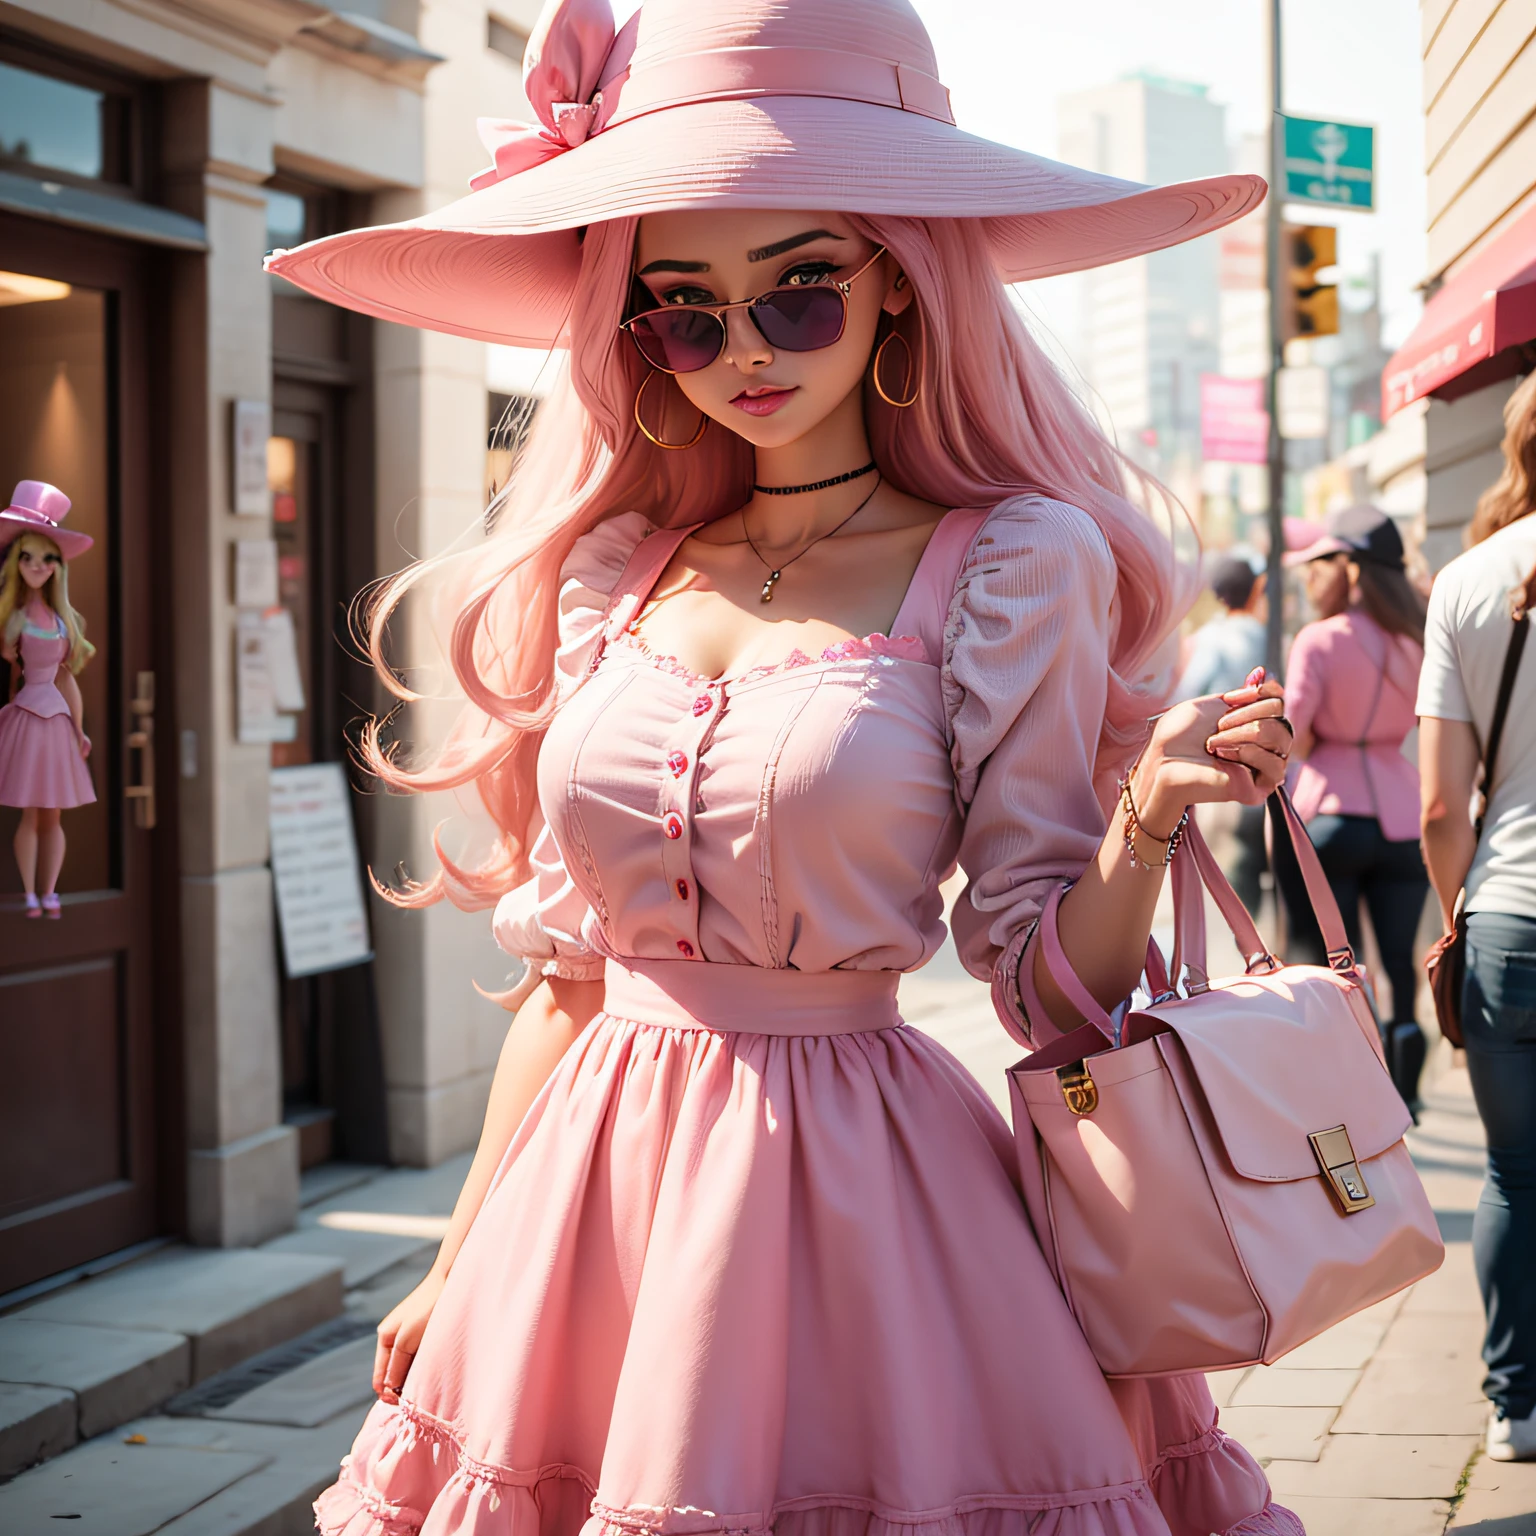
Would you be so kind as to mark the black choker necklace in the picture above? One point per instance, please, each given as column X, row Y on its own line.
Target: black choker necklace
column 815, row 485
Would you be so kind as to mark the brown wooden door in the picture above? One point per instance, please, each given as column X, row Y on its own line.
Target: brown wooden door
column 78, row 1014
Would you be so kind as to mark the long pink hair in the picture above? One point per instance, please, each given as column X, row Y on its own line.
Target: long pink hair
column 993, row 419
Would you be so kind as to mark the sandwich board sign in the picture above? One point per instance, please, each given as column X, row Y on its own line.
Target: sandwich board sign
column 1333, row 164
column 315, row 870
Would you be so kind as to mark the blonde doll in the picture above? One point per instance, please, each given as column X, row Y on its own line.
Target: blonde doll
column 43, row 745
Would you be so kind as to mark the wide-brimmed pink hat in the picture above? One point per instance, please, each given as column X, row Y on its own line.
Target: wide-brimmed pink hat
column 37, row 507
column 814, row 104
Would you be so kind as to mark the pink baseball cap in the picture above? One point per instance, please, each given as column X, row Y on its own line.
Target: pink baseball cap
column 37, row 507
column 809, row 104
column 1362, row 532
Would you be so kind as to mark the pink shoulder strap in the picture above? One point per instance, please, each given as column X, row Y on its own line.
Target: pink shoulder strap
column 640, row 574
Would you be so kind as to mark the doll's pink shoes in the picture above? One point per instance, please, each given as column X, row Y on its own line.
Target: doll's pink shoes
column 34, row 906
column 51, row 905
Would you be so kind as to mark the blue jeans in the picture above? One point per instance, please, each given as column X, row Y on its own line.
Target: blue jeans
column 1498, row 1015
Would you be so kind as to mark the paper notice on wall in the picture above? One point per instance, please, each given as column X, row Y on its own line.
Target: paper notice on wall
column 255, row 573
column 315, row 870
column 283, row 659
column 256, row 713
column 269, row 683
column 250, row 426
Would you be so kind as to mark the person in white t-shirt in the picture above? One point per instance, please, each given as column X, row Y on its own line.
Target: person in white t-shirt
column 1471, row 612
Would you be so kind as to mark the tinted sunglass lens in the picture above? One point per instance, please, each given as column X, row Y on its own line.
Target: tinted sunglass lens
column 800, row 319
column 681, row 341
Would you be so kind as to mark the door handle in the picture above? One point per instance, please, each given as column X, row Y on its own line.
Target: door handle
column 142, row 740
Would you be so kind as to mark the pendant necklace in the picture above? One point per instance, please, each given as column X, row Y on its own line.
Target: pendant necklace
column 774, row 572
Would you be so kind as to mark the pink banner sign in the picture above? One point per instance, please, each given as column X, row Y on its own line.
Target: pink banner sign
column 1234, row 426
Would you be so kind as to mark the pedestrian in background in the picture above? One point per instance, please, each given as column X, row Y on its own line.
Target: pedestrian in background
column 1227, row 648
column 1475, row 599
column 1350, row 691
column 1224, row 651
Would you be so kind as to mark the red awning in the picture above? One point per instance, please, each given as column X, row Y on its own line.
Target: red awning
column 1489, row 305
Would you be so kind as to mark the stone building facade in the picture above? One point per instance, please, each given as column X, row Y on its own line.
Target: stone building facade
column 151, row 151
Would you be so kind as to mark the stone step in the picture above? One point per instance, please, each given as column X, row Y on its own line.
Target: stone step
column 99, row 1353
column 243, row 1454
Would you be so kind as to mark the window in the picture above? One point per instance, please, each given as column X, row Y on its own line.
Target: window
column 62, row 121
column 287, row 219
column 503, row 38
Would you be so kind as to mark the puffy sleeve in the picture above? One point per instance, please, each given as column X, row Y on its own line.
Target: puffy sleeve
column 1026, row 681
column 544, row 921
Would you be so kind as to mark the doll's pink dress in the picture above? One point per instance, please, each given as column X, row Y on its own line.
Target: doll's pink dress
column 756, row 1258
column 40, row 761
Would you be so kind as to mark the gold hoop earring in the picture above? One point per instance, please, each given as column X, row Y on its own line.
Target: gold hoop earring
column 911, row 399
column 640, row 421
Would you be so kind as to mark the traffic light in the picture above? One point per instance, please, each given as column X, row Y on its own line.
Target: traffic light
column 1311, row 307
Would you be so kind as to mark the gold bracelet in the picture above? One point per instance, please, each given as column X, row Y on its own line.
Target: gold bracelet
column 1131, row 825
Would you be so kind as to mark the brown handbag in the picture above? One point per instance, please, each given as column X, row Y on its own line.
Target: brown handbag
column 1446, row 962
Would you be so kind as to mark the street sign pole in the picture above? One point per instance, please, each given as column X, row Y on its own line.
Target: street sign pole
column 1277, row 281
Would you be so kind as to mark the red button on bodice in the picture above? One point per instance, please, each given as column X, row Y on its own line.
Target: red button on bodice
column 677, row 762
column 672, row 826
column 681, row 887
column 685, row 949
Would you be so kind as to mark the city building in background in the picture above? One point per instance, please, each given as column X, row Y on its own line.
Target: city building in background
column 1150, row 326
column 1477, row 337
column 247, row 460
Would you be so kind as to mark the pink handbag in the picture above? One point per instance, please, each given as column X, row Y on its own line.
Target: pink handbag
column 1223, row 1176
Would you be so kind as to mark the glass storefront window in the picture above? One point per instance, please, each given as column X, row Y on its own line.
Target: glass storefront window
column 290, row 474
column 52, row 124
column 55, row 426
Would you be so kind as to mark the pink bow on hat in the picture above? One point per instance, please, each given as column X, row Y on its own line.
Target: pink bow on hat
column 562, row 67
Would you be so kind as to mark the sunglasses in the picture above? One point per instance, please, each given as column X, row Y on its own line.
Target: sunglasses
column 683, row 338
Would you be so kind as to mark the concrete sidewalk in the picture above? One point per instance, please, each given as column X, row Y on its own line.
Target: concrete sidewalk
column 1373, row 1429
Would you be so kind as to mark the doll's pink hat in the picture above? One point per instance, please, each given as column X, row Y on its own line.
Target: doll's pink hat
column 37, row 507
column 814, row 104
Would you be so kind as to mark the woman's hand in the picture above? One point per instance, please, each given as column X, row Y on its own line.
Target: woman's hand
column 400, row 1337
column 1230, row 746
column 85, row 745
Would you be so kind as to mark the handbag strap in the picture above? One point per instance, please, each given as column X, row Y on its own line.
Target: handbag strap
column 1061, row 970
column 1203, row 870
column 1192, row 877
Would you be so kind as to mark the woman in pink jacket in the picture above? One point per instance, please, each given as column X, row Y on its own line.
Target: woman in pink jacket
column 1351, row 687
column 813, row 582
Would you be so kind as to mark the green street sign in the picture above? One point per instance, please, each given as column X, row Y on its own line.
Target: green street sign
column 1330, row 163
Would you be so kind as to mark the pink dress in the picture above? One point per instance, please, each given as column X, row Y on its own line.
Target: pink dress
column 40, row 761
column 757, row 1258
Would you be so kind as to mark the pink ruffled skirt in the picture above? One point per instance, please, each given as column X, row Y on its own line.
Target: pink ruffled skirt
column 733, row 1282
column 40, row 762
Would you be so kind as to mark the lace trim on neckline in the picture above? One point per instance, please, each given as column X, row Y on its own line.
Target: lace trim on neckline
column 896, row 647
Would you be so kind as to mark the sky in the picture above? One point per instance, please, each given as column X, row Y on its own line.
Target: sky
column 1007, row 62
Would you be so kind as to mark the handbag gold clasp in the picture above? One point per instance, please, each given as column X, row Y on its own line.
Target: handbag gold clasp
column 1335, row 1155
column 1078, row 1087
